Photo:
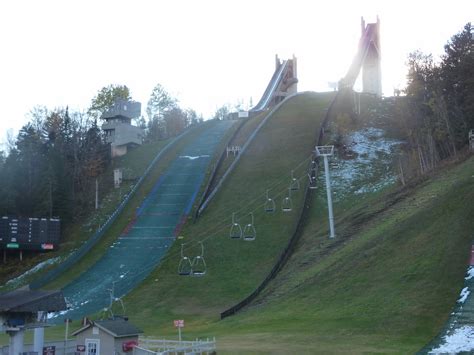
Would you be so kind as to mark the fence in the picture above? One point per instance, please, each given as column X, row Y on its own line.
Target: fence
column 92, row 241
column 296, row 234
column 58, row 346
column 163, row 346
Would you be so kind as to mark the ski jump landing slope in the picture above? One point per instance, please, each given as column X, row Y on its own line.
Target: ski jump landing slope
column 140, row 247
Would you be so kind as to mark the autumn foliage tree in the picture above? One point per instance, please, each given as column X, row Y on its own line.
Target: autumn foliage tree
column 438, row 109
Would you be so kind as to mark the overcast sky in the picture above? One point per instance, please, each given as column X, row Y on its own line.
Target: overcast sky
column 205, row 52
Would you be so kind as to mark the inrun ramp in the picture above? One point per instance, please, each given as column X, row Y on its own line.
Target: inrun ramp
column 145, row 241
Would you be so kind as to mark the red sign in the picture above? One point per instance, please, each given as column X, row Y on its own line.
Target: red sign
column 179, row 323
column 80, row 348
column 48, row 246
column 129, row 345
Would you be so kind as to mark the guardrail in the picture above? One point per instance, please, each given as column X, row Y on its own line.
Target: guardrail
column 272, row 86
column 212, row 177
column 296, row 234
column 97, row 236
column 232, row 166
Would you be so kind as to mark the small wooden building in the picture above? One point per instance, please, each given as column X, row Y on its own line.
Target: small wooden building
column 115, row 336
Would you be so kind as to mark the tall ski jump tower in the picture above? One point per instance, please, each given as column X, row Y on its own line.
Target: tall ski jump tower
column 371, row 68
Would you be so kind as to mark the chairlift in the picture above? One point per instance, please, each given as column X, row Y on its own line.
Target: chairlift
column 312, row 181
column 269, row 204
column 235, row 229
column 249, row 231
column 114, row 300
column 294, row 184
column 185, row 267
column 199, row 267
column 312, row 168
column 287, row 205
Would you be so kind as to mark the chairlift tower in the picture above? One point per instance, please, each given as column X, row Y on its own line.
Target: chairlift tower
column 326, row 151
column 471, row 140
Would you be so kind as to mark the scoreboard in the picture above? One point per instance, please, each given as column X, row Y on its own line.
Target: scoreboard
column 25, row 233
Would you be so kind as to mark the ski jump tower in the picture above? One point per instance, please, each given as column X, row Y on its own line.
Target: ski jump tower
column 367, row 58
column 282, row 84
column 371, row 69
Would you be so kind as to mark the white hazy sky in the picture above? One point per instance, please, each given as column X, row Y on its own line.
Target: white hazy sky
column 205, row 52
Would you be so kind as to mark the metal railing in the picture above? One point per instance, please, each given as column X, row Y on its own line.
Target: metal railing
column 272, row 86
column 211, row 195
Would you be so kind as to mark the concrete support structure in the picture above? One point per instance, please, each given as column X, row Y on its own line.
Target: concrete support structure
column 367, row 59
column 371, row 65
column 16, row 342
column 283, row 83
column 118, row 128
column 38, row 336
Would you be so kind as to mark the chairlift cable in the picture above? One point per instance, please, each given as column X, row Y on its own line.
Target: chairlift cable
column 221, row 226
column 218, row 228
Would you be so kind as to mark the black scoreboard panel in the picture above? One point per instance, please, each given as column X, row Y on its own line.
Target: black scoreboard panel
column 29, row 233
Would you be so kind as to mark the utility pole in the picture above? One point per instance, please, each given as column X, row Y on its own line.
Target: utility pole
column 326, row 151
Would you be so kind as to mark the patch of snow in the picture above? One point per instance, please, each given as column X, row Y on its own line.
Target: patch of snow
column 370, row 168
column 194, row 157
column 461, row 339
column 18, row 280
column 464, row 294
column 57, row 314
column 470, row 273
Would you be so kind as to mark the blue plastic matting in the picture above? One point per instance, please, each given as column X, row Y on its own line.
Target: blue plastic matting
column 140, row 247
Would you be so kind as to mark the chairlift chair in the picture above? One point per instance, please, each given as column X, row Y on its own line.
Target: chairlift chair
column 286, row 205
column 294, row 184
column 312, row 181
column 249, row 231
column 199, row 267
column 235, row 229
column 185, row 267
column 269, row 204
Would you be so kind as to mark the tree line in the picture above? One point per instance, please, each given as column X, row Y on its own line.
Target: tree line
column 52, row 164
column 437, row 110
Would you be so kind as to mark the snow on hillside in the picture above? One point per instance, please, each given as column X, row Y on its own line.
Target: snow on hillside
column 19, row 281
column 366, row 166
column 459, row 336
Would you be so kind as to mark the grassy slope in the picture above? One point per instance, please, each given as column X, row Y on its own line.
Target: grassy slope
column 247, row 127
column 235, row 267
column 386, row 285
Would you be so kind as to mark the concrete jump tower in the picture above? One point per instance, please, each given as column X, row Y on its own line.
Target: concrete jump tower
column 371, row 68
column 283, row 83
column 367, row 58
